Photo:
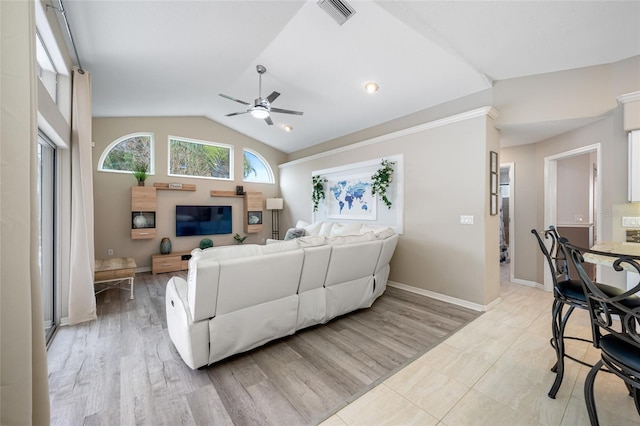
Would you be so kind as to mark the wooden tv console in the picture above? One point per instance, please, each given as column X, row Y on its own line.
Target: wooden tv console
column 172, row 262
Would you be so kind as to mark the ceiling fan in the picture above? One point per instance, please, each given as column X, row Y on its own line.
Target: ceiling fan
column 261, row 107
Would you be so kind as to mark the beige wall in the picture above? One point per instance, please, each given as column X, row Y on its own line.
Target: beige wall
column 112, row 194
column 529, row 187
column 445, row 176
column 574, row 175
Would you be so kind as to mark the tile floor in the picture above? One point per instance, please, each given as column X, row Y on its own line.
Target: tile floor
column 495, row 371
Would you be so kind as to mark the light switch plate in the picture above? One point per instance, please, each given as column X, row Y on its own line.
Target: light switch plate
column 631, row 222
column 466, row 219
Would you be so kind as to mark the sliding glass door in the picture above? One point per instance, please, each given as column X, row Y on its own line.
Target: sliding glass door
column 46, row 216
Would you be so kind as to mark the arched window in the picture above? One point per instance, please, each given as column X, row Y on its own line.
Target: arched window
column 123, row 154
column 194, row 158
column 256, row 168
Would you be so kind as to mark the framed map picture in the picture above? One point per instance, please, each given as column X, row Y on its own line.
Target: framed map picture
column 349, row 197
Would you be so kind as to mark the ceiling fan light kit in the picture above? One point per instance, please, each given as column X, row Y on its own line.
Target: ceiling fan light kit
column 261, row 108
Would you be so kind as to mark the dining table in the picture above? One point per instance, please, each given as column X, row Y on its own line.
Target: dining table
column 619, row 248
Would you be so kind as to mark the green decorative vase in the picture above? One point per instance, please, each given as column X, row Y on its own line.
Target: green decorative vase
column 206, row 243
column 165, row 246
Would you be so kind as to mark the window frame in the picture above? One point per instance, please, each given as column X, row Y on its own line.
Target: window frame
column 201, row 142
column 269, row 169
column 107, row 150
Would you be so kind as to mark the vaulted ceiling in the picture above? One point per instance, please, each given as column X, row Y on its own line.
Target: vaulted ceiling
column 173, row 58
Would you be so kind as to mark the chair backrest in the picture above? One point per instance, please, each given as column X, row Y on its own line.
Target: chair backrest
column 609, row 311
column 555, row 255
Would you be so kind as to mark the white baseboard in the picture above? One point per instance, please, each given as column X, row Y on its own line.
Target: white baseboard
column 527, row 283
column 444, row 297
column 143, row 269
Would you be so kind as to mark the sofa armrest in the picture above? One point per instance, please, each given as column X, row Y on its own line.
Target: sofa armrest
column 191, row 339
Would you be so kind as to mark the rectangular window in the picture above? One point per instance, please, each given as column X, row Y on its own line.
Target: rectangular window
column 46, row 70
column 46, row 215
column 193, row 158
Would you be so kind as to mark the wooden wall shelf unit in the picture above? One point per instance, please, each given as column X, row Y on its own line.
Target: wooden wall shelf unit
column 143, row 202
column 175, row 186
column 172, row 262
column 226, row 194
column 252, row 208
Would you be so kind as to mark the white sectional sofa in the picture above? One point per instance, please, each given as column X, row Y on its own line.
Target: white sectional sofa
column 236, row 298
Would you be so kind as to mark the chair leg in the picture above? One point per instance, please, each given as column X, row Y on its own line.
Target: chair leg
column 588, row 393
column 557, row 327
column 636, row 399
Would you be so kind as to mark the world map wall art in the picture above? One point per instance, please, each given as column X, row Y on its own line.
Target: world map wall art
column 350, row 198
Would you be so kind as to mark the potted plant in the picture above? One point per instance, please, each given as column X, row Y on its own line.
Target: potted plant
column 239, row 239
column 141, row 172
column 381, row 181
column 318, row 190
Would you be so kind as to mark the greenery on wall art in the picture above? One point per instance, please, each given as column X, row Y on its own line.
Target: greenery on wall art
column 318, row 190
column 381, row 181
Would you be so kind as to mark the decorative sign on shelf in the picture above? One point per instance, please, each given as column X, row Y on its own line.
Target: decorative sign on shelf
column 175, row 186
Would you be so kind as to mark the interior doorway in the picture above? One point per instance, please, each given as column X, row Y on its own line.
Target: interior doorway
column 507, row 216
column 580, row 222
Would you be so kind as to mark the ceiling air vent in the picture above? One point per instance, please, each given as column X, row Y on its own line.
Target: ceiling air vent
column 337, row 9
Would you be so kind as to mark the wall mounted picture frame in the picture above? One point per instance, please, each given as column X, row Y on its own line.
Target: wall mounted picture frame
column 254, row 218
column 493, row 183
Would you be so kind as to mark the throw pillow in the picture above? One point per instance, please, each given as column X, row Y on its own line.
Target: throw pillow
column 293, row 233
column 325, row 229
column 309, row 228
column 345, row 229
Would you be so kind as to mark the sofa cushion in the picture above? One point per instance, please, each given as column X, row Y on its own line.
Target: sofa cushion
column 350, row 239
column 325, row 229
column 309, row 228
column 311, row 241
column 293, row 233
column 381, row 232
column 339, row 229
column 279, row 247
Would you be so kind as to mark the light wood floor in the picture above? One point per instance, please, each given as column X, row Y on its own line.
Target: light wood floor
column 123, row 368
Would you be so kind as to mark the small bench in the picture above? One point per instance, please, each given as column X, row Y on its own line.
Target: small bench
column 111, row 273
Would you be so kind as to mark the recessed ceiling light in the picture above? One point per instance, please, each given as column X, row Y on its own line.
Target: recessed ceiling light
column 371, row 87
column 287, row 127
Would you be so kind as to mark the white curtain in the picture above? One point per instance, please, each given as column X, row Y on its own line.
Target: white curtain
column 24, row 391
column 82, row 300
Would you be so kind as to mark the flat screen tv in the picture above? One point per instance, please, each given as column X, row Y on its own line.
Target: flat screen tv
column 203, row 220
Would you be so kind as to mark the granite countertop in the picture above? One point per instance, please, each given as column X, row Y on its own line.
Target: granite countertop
column 632, row 249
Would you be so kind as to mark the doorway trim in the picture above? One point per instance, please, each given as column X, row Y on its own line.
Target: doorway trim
column 551, row 192
column 512, row 218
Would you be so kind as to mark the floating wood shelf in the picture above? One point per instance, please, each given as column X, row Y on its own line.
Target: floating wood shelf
column 225, row 194
column 183, row 187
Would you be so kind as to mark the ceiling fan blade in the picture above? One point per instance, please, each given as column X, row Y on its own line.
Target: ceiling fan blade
column 236, row 113
column 268, row 121
column 273, row 96
column 286, row 111
column 233, row 99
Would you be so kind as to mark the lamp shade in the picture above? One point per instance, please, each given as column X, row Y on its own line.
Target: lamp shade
column 275, row 203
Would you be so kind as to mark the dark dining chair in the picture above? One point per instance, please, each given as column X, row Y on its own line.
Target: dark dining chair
column 567, row 293
column 615, row 320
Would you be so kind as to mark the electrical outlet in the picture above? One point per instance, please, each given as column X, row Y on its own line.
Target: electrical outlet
column 110, row 252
